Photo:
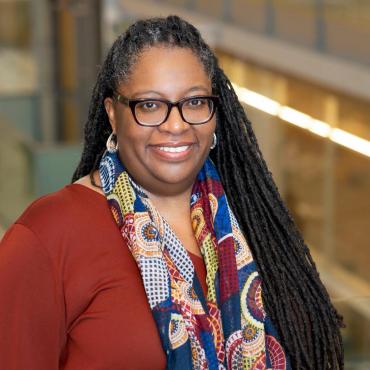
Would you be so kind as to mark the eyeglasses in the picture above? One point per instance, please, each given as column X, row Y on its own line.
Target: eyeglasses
column 195, row 110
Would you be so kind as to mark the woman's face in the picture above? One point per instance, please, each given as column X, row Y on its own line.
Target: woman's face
column 172, row 74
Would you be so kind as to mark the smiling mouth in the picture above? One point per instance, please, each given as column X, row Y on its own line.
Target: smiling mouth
column 173, row 152
column 174, row 149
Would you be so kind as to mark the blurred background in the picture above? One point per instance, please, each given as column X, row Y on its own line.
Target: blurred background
column 300, row 67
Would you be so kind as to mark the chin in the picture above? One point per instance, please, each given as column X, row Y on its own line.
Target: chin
column 178, row 181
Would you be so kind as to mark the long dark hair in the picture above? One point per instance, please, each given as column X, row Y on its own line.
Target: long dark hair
column 293, row 294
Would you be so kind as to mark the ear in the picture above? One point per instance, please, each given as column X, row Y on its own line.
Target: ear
column 109, row 108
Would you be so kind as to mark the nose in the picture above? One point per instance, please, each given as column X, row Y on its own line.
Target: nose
column 174, row 122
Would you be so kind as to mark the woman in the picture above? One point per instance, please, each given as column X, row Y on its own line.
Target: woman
column 201, row 265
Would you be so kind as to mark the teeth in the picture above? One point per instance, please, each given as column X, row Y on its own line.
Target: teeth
column 171, row 149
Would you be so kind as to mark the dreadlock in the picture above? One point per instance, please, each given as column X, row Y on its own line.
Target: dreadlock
column 293, row 294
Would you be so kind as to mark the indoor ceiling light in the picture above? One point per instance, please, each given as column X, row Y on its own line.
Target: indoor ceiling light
column 302, row 120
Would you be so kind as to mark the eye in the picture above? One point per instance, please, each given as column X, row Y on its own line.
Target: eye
column 148, row 106
column 196, row 102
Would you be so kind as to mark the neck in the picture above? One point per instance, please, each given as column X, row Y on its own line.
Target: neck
column 178, row 203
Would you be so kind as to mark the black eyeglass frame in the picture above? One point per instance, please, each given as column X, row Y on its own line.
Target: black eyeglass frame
column 133, row 102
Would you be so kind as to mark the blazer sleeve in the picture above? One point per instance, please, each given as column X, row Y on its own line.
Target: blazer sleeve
column 30, row 305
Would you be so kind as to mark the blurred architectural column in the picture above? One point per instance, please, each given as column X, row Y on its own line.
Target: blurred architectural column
column 88, row 54
column 331, row 112
column 270, row 17
column 43, row 47
column 78, row 51
column 320, row 25
column 270, row 133
column 226, row 10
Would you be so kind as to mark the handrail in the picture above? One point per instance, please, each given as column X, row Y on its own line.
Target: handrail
column 343, row 285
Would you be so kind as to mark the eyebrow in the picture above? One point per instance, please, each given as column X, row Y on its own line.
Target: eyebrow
column 194, row 88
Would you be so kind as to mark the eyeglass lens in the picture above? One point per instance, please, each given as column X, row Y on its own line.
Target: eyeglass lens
column 154, row 112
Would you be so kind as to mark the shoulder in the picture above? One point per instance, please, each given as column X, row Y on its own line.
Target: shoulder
column 67, row 214
column 73, row 226
column 91, row 182
column 65, row 205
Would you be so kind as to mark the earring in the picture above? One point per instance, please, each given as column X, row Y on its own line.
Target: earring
column 112, row 145
column 214, row 142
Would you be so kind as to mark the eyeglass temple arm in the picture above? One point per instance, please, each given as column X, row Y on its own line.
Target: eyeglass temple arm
column 121, row 98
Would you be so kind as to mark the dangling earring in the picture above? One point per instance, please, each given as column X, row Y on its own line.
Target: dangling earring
column 112, row 145
column 214, row 142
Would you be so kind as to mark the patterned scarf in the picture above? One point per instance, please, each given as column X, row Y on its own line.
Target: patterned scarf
column 229, row 328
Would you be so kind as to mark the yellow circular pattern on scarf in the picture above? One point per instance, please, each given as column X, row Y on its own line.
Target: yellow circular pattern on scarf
column 177, row 331
column 244, row 304
column 146, row 236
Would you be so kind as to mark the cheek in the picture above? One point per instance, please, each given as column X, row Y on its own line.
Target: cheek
column 206, row 133
column 129, row 149
column 132, row 141
column 125, row 137
column 127, row 130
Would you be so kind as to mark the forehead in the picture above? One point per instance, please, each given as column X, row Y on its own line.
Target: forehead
column 168, row 70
